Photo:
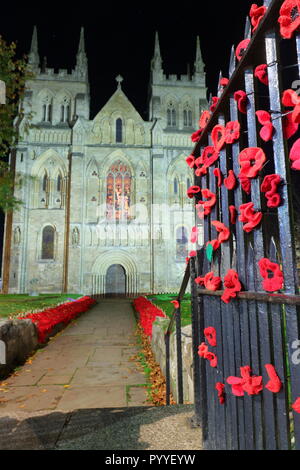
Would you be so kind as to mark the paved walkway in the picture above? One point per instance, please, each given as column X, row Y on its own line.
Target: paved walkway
column 82, row 387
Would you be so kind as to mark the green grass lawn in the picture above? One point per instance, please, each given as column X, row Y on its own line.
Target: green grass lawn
column 163, row 301
column 11, row 305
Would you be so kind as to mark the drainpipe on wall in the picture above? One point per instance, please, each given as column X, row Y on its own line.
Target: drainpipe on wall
column 151, row 213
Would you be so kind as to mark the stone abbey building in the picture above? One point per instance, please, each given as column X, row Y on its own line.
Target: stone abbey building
column 105, row 207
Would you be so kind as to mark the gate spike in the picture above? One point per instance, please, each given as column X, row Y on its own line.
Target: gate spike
column 219, row 85
column 232, row 61
column 247, row 28
column 267, row 3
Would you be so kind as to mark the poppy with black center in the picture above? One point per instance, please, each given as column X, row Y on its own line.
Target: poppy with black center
column 218, row 137
column 289, row 18
column 241, row 48
column 256, row 14
column 261, row 72
column 232, row 132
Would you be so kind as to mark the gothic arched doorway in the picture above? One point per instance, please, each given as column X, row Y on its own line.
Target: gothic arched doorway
column 115, row 282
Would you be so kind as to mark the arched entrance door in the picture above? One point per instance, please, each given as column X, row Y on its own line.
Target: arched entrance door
column 115, row 284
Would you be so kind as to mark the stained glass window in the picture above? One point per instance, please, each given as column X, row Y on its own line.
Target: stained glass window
column 118, row 192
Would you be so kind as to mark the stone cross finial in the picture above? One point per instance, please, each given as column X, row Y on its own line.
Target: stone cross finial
column 119, row 80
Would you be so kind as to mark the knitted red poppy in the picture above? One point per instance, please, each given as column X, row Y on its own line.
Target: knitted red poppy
column 195, row 137
column 209, row 155
column 220, row 387
column 175, row 303
column 256, row 14
column 295, row 155
column 218, row 137
column 230, row 181
column 192, row 254
column 201, row 171
column 271, row 274
column 289, row 18
column 289, row 126
column 261, row 72
column 224, row 82
column 194, row 234
column 232, row 131
column 224, row 232
column 251, row 161
column 212, row 358
column 245, row 183
column 251, row 384
column 211, row 335
column 296, row 405
column 213, row 106
column 290, row 99
column 274, row 384
column 187, row 260
column 192, row 191
column 232, row 284
column 211, row 282
column 249, row 216
column 202, row 349
column 233, row 214
column 204, row 207
column 267, row 130
column 241, row 48
column 204, row 118
column 190, row 160
column 269, row 186
column 241, row 99
column 218, row 174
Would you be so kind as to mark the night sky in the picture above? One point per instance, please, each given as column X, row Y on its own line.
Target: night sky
column 120, row 40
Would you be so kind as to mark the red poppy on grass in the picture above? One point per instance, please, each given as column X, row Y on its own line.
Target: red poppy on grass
column 224, row 232
column 232, row 131
column 195, row 137
column 289, row 126
column 218, row 137
column 269, row 186
column 290, row 99
column 251, row 161
column 295, row 155
column 274, row 384
column 211, row 335
column 261, row 72
column 194, row 234
column 230, row 181
column 220, row 387
column 175, row 303
column 296, row 405
column 204, row 118
column 190, row 160
column 232, row 285
column 245, row 183
column 256, row 14
column 267, row 130
column 218, row 174
column 271, row 274
column 233, row 214
column 241, row 99
column 193, row 190
column 289, row 18
column 213, row 106
column 249, row 216
column 241, row 48
column 251, row 384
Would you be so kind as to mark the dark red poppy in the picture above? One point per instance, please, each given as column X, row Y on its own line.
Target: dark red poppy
column 289, row 18
column 211, row 282
column 295, row 155
column 241, row 99
column 190, row 160
column 233, row 214
column 290, row 99
column 224, row 82
column 204, row 207
column 296, row 405
column 220, row 387
column 269, row 186
column 196, row 135
column 218, row 137
column 256, row 14
column 204, row 118
column 251, row 161
column 211, row 335
column 249, row 216
column 194, row 234
column 218, row 174
column 289, row 126
column 224, row 232
column 192, row 191
column 261, row 72
column 241, row 48
column 230, row 181
column 267, row 130
column 202, row 349
column 212, row 358
column 274, row 384
column 271, row 274
column 213, row 106
column 245, row 183
column 209, row 155
column 232, row 131
column 232, row 286
column 175, row 303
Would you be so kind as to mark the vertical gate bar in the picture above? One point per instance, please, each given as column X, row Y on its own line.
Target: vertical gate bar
column 167, row 346
column 269, row 428
column 179, row 356
column 285, row 219
column 246, row 442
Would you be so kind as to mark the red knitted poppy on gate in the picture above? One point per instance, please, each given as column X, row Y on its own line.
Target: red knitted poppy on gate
column 251, row 384
column 232, row 131
column 289, row 18
column 212, row 358
column 296, row 405
column 190, row 160
column 290, row 99
column 233, row 214
column 271, row 274
column 294, row 155
column 289, row 126
column 213, row 106
column 249, row 216
column 193, row 190
column 245, row 183
column 218, row 174
column 256, row 14
column 194, row 234
column 220, row 387
column 209, row 281
column 175, row 303
column 204, row 118
column 251, row 161
column 230, row 181
column 192, row 254
column 224, row 82
column 202, row 349
column 269, row 186
column 274, row 384
column 209, row 156
column 195, row 137
column 204, row 207
column 267, row 131
column 224, row 232
column 232, row 286
column 241, row 98
column 241, row 49
column 218, row 137
column 261, row 72
column 211, row 335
